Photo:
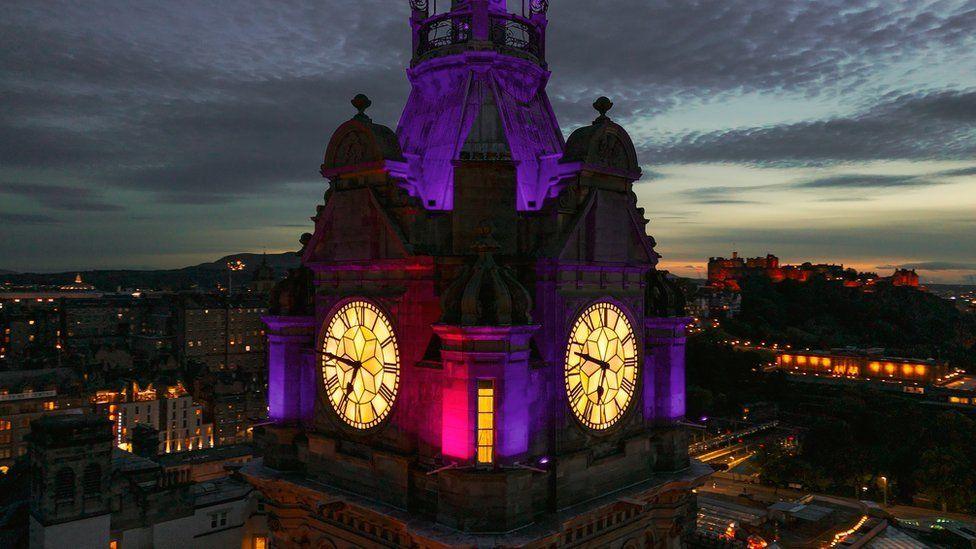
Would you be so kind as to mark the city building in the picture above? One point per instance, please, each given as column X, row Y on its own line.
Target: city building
column 862, row 364
column 490, row 357
column 223, row 333
column 727, row 273
column 171, row 411
column 29, row 395
column 931, row 381
column 86, row 493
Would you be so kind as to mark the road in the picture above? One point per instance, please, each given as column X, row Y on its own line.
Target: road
column 722, row 483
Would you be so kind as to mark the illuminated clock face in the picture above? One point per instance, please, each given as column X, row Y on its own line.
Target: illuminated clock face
column 601, row 366
column 360, row 364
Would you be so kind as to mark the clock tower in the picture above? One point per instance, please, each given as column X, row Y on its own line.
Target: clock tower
column 478, row 349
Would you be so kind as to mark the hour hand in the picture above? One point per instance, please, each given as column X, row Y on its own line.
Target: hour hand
column 344, row 360
column 587, row 357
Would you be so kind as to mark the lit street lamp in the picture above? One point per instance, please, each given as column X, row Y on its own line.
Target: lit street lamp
column 885, row 490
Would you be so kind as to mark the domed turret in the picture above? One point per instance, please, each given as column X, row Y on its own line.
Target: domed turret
column 359, row 142
column 603, row 146
column 485, row 293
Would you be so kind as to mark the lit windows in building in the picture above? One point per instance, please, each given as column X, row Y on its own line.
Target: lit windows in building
column 260, row 542
column 875, row 367
column 486, row 421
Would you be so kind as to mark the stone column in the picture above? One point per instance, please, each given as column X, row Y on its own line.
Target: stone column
column 473, row 353
column 291, row 390
column 664, row 363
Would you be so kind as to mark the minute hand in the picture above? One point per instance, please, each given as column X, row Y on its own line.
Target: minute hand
column 593, row 360
column 346, row 361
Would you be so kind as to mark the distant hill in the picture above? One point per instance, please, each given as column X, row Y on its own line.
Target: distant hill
column 278, row 262
column 202, row 276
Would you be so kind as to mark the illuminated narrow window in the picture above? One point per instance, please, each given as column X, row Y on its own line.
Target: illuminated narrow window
column 260, row 542
column 486, row 421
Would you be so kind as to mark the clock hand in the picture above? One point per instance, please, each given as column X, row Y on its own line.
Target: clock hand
column 346, row 361
column 600, row 363
column 345, row 397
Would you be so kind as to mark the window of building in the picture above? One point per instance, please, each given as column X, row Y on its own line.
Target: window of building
column 486, row 421
column 4, row 425
column 49, row 405
column 5, row 453
column 64, row 485
column 91, row 480
column 260, row 542
column 218, row 519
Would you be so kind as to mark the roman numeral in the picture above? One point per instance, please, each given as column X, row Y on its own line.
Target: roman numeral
column 588, row 410
column 345, row 322
column 575, row 392
column 390, row 367
column 628, row 339
column 589, row 324
column 387, row 341
column 331, row 383
column 631, row 362
column 627, row 385
column 386, row 393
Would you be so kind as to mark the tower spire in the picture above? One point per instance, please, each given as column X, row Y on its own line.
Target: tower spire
column 477, row 71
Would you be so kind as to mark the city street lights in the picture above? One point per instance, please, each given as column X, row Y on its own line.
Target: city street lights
column 233, row 265
column 884, row 488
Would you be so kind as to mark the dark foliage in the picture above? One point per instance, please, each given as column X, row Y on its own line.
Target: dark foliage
column 821, row 314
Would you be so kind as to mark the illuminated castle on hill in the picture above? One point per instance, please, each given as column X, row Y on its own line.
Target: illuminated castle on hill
column 478, row 349
column 726, row 273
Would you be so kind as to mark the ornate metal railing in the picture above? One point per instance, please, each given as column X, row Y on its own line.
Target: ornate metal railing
column 444, row 30
column 513, row 33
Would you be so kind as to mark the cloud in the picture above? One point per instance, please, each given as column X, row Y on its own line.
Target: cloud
column 939, row 266
column 864, row 182
column 722, row 194
column 961, row 172
column 27, row 219
column 61, row 197
column 919, row 126
column 153, row 107
column 653, row 54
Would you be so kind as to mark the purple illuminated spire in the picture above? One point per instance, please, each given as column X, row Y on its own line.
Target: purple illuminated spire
column 478, row 80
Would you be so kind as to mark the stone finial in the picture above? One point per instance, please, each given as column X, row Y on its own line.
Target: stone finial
column 603, row 106
column 361, row 103
column 486, row 293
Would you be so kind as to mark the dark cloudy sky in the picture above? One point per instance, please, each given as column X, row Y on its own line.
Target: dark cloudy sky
column 158, row 134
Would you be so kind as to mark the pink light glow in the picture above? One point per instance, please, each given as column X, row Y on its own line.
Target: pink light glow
column 456, row 433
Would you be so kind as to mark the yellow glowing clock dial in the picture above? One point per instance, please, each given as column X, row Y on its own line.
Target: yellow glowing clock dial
column 601, row 366
column 360, row 364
